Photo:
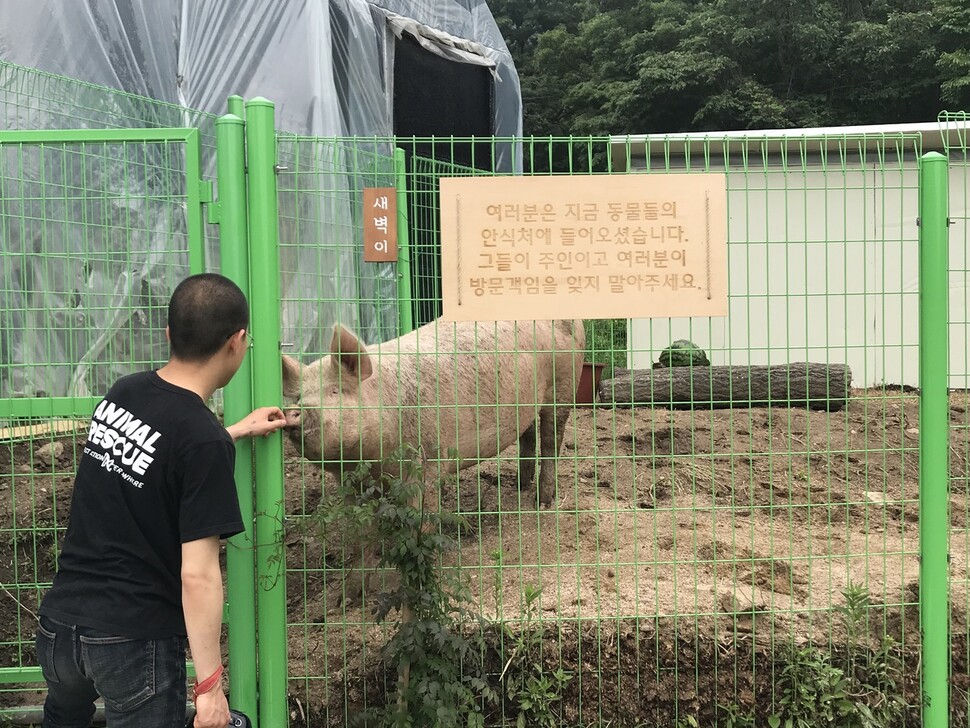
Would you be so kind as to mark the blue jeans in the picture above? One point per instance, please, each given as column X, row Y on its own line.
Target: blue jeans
column 142, row 681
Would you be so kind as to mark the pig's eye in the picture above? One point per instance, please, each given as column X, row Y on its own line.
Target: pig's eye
column 335, row 390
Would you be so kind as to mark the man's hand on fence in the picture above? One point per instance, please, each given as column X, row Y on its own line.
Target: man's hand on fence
column 259, row 422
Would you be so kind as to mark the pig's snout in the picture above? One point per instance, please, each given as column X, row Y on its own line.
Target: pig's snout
column 294, row 418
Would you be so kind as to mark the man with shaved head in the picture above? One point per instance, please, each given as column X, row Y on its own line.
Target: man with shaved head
column 139, row 572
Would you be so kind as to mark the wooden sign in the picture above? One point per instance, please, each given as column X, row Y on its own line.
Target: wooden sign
column 380, row 224
column 587, row 246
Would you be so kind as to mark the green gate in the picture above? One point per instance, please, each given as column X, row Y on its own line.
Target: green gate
column 82, row 207
column 78, row 208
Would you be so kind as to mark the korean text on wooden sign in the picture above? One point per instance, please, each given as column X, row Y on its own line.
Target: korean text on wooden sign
column 380, row 224
column 592, row 246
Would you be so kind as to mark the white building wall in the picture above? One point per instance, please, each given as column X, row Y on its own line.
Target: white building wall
column 823, row 266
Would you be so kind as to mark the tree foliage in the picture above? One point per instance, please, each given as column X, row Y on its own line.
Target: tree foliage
column 635, row 66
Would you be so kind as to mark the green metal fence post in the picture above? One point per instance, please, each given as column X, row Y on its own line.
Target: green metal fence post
column 934, row 438
column 236, row 106
column 267, row 390
column 195, row 219
column 240, row 563
column 405, row 304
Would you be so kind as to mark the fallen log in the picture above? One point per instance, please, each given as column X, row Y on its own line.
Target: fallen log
column 800, row 384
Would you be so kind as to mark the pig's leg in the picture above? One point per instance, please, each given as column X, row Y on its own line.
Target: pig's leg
column 527, row 456
column 552, row 428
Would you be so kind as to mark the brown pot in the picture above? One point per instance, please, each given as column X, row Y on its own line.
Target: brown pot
column 589, row 382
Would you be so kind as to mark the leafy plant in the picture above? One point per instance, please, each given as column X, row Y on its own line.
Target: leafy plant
column 864, row 692
column 438, row 660
column 735, row 717
column 529, row 684
column 875, row 674
column 813, row 692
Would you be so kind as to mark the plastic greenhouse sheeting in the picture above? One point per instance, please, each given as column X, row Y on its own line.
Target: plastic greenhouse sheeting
column 328, row 66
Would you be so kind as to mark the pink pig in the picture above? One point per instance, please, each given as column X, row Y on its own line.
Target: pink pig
column 474, row 388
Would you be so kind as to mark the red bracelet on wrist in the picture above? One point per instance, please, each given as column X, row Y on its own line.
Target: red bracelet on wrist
column 207, row 684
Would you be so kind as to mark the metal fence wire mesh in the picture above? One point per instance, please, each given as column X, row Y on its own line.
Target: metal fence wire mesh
column 698, row 565
column 36, row 100
column 735, row 562
column 33, row 99
column 116, row 201
column 321, row 215
column 959, row 331
column 97, row 226
column 89, row 262
column 425, row 211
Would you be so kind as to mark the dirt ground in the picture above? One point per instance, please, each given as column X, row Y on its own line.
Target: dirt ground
column 685, row 548
column 685, row 543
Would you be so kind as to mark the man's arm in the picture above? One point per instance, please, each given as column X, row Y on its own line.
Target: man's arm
column 202, row 599
column 261, row 421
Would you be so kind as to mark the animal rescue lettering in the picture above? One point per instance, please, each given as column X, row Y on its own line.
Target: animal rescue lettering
column 123, row 436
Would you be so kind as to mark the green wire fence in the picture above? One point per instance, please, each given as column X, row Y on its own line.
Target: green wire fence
column 85, row 284
column 955, row 134
column 698, row 565
column 738, row 557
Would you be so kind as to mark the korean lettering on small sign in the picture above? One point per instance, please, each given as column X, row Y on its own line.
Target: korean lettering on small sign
column 380, row 225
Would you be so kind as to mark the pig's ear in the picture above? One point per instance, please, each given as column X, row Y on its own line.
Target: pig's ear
column 348, row 353
column 292, row 374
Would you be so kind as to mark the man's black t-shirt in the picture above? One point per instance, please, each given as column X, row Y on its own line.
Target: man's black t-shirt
column 156, row 472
